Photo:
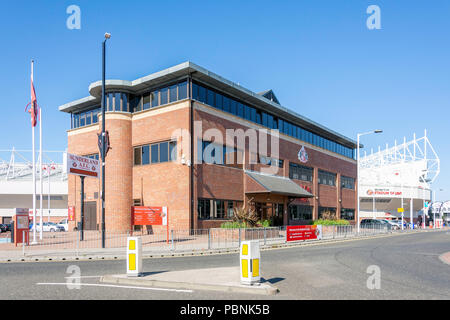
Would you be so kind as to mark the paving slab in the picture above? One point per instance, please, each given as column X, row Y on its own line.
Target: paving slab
column 216, row 279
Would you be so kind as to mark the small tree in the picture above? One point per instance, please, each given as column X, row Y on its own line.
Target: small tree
column 328, row 215
column 246, row 215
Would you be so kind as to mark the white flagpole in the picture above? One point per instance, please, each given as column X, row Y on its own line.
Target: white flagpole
column 48, row 199
column 40, row 172
column 34, row 170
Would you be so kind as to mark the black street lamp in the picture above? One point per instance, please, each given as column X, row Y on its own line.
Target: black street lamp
column 103, row 140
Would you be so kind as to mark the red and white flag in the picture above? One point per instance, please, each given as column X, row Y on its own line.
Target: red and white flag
column 34, row 110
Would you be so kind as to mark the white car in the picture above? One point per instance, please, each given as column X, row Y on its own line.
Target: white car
column 65, row 224
column 48, row 227
column 394, row 224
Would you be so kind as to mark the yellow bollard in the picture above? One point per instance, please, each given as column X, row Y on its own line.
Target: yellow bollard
column 250, row 263
column 134, row 256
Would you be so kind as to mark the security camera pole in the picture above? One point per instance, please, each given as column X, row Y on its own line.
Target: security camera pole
column 103, row 142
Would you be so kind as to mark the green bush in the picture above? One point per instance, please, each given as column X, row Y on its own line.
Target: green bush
column 326, row 222
column 243, row 225
column 233, row 225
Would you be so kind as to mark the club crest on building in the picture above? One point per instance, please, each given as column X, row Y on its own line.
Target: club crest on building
column 303, row 155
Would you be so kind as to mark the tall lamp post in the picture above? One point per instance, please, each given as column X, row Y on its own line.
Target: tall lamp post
column 357, row 174
column 107, row 36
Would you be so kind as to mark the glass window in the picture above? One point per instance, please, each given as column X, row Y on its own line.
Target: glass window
column 233, row 107
column 110, row 101
column 327, row 213
column 226, row 104
column 137, row 156
column 88, row 118
column 145, row 154
column 164, row 96
column 82, row 119
column 95, row 115
column 264, row 119
column 182, row 90
column 220, row 209
column 172, row 150
column 163, row 152
column 247, row 112
column 202, row 94
column 155, row 153
column 135, row 103
column 125, row 102
column 348, row 183
column 146, row 102
column 300, row 212
column 299, row 172
column 219, row 101
column 195, row 91
column 240, row 110
column 117, row 106
column 348, row 214
column 253, row 114
column 210, row 98
column 173, row 93
column 327, row 178
column 155, row 98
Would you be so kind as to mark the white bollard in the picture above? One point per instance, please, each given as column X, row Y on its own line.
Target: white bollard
column 134, row 256
column 250, row 263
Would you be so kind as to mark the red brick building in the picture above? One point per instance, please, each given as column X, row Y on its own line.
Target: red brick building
column 165, row 151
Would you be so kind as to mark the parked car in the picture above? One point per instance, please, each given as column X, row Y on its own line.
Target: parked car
column 395, row 224
column 64, row 223
column 375, row 224
column 8, row 226
column 3, row 228
column 48, row 227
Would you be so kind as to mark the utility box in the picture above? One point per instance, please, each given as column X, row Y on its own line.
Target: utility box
column 134, row 256
column 21, row 226
column 250, row 263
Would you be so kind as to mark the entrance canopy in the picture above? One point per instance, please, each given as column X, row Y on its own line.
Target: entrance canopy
column 277, row 185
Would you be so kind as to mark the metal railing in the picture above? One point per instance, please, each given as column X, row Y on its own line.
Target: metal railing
column 186, row 240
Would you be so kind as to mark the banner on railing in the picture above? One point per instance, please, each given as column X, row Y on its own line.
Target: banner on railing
column 301, row 233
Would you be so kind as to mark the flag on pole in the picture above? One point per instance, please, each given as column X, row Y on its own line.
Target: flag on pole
column 34, row 107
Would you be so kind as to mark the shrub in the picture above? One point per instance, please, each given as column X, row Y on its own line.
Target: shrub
column 328, row 222
column 233, row 225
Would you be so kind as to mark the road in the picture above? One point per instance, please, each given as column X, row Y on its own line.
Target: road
column 409, row 266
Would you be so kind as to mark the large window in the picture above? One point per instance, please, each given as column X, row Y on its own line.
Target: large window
column 299, row 172
column 327, row 213
column 155, row 153
column 209, row 209
column 327, row 178
column 213, row 153
column 220, row 101
column 300, row 212
column 348, row 214
column 271, row 161
column 347, row 182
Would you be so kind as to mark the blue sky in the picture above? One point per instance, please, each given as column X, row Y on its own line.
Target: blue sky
column 318, row 56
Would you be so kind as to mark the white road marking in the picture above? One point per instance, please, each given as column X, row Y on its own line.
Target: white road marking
column 81, row 277
column 113, row 286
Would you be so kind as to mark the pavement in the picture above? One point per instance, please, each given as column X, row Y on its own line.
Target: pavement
column 214, row 279
column 410, row 268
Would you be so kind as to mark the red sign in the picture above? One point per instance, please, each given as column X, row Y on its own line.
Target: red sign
column 299, row 233
column 149, row 216
column 71, row 213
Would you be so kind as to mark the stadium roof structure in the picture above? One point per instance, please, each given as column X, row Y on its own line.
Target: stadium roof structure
column 15, row 165
column 412, row 163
